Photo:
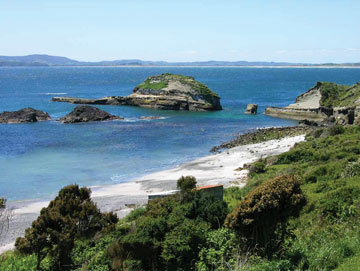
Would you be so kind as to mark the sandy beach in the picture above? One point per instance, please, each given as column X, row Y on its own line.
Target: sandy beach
column 217, row 168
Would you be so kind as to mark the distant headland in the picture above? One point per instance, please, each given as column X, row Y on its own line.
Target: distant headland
column 43, row 60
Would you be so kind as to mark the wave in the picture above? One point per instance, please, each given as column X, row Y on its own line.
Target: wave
column 54, row 93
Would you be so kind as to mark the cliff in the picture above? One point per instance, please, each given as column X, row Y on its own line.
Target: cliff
column 165, row 91
column 325, row 101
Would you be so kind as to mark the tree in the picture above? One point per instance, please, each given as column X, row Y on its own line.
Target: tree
column 182, row 244
column 210, row 209
column 70, row 215
column 187, row 186
column 261, row 216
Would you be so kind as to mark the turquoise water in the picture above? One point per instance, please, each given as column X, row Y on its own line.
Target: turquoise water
column 36, row 160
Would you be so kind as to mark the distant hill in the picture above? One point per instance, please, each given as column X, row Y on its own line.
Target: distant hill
column 47, row 60
column 40, row 59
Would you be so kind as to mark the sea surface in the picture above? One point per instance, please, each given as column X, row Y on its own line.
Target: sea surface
column 37, row 159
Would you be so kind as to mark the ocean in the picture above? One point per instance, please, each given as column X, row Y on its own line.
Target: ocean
column 37, row 159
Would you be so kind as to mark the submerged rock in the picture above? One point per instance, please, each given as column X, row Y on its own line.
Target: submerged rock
column 251, row 109
column 151, row 118
column 24, row 115
column 165, row 91
column 85, row 113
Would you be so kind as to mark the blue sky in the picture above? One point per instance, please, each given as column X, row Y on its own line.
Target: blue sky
column 255, row 30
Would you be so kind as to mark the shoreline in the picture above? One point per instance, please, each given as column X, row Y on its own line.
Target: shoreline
column 219, row 168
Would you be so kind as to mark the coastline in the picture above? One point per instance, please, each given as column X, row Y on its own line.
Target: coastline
column 217, row 168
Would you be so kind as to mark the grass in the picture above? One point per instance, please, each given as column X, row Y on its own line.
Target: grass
column 153, row 86
column 334, row 95
column 326, row 235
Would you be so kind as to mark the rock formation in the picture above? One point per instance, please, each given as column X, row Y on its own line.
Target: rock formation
column 165, row 91
column 24, row 115
column 251, row 109
column 324, row 102
column 85, row 113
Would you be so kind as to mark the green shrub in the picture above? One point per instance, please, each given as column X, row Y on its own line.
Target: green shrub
column 218, row 253
column 336, row 130
column 257, row 167
column 264, row 211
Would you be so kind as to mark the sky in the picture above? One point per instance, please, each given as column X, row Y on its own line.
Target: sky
column 316, row 31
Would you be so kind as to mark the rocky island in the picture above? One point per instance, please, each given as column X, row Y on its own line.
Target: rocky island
column 326, row 101
column 85, row 113
column 23, row 115
column 165, row 91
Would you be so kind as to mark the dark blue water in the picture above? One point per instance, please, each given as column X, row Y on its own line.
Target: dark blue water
column 36, row 160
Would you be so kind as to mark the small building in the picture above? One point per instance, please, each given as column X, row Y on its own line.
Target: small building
column 162, row 194
column 216, row 190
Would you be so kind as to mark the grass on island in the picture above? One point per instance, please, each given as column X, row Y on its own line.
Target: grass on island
column 161, row 82
column 192, row 232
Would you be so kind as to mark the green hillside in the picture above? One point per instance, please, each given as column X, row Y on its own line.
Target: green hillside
column 334, row 95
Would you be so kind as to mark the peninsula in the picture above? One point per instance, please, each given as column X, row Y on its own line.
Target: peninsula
column 326, row 101
column 165, row 91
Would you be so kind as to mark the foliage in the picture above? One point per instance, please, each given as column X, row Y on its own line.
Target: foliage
column 181, row 244
column 266, row 209
column 170, row 232
column 336, row 130
column 92, row 253
column 257, row 167
column 69, row 216
column 219, row 250
column 186, row 185
column 210, row 209
column 232, row 196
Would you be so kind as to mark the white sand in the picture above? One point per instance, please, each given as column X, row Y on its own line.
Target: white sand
column 214, row 169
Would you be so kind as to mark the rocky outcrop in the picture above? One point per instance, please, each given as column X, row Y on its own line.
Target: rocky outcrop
column 327, row 102
column 85, row 113
column 24, row 115
column 251, row 109
column 165, row 91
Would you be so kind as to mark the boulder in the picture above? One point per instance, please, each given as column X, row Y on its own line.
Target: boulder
column 24, row 115
column 251, row 109
column 165, row 91
column 85, row 113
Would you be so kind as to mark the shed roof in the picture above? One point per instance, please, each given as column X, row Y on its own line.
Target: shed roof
column 208, row 186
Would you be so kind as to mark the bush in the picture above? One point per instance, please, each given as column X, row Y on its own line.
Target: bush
column 265, row 210
column 70, row 215
column 336, row 130
column 219, row 251
column 181, row 245
column 257, row 167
